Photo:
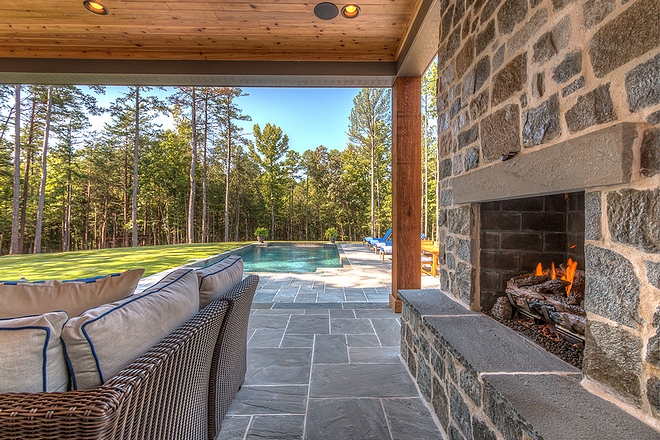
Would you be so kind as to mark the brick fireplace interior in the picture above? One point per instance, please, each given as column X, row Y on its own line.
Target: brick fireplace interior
column 515, row 235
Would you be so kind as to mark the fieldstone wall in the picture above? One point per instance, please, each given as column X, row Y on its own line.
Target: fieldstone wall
column 519, row 76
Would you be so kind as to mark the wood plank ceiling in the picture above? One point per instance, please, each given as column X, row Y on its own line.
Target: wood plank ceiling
column 252, row 30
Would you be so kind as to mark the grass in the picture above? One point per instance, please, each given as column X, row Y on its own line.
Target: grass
column 80, row 264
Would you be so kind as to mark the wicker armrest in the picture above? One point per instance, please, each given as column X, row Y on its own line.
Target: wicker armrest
column 162, row 394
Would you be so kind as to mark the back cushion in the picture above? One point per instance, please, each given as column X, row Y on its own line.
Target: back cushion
column 31, row 354
column 74, row 297
column 218, row 278
column 103, row 340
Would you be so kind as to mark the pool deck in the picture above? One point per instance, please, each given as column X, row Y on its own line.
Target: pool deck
column 323, row 359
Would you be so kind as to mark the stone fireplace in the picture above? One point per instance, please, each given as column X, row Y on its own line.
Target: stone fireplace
column 549, row 111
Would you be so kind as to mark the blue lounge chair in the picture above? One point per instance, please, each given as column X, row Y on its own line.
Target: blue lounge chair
column 374, row 241
column 381, row 245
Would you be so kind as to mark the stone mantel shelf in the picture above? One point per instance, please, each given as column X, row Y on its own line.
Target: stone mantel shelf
column 600, row 158
column 488, row 381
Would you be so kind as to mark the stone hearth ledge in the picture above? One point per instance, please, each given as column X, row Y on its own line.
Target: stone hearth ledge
column 486, row 381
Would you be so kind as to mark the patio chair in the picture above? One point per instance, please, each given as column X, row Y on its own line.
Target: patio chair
column 374, row 241
column 381, row 245
column 385, row 250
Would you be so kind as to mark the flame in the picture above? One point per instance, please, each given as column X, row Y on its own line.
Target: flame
column 571, row 267
column 553, row 272
column 539, row 270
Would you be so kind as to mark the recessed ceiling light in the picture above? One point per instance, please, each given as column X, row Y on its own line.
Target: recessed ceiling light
column 326, row 10
column 95, row 7
column 350, row 11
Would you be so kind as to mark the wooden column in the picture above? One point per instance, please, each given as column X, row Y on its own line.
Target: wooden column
column 406, row 186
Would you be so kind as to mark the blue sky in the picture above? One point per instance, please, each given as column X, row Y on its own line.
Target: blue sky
column 309, row 116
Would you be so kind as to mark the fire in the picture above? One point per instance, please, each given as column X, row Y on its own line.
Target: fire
column 569, row 273
column 571, row 267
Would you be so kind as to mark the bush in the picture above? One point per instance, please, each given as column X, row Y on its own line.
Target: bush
column 331, row 234
column 261, row 232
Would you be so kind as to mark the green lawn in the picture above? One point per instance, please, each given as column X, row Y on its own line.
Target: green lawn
column 80, row 264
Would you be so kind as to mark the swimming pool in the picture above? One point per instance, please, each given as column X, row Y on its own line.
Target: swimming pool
column 289, row 257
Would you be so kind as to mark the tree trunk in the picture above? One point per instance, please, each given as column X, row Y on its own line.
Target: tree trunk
column 205, row 167
column 193, row 166
column 66, row 230
column 306, row 207
column 373, row 219
column 26, row 180
column 44, row 175
column 135, row 168
column 272, row 215
column 227, row 171
column 13, row 247
column 2, row 135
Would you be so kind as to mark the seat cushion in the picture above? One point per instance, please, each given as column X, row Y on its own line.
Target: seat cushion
column 105, row 339
column 217, row 279
column 31, row 355
column 73, row 296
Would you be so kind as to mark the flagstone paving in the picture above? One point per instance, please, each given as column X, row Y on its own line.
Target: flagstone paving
column 323, row 359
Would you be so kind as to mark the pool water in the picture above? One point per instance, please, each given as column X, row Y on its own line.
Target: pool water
column 289, row 258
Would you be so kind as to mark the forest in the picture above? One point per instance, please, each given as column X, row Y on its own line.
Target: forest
column 67, row 185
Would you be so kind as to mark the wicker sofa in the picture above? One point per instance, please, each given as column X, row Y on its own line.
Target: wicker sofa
column 180, row 389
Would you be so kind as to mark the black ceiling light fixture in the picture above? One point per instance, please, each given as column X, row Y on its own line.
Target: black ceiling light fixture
column 326, row 10
column 350, row 11
column 95, row 7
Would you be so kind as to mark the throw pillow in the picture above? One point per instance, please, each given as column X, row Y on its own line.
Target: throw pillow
column 217, row 279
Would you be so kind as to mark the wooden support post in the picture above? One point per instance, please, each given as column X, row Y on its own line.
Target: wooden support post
column 406, row 187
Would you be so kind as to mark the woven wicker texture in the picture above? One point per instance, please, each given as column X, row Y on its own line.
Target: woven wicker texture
column 230, row 353
column 162, row 395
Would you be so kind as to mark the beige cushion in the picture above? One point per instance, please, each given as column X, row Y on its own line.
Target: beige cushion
column 31, row 354
column 105, row 339
column 74, row 297
column 218, row 278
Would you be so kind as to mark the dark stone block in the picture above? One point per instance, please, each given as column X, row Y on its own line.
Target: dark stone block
column 489, row 8
column 447, row 21
column 538, row 85
column 440, row 403
column 510, row 79
column 546, row 221
column 523, row 100
column 445, row 169
column 468, row 136
column 654, row 118
column 653, row 350
column 488, row 299
column 612, row 287
column 560, row 4
column 459, row 11
column 464, row 282
column 499, row 260
column 466, row 27
column 455, row 108
column 490, row 280
column 634, row 218
column 412, row 365
column 573, row 87
column 510, row 14
column 522, row 241
column 453, row 43
column 481, row 431
column 444, row 145
column 468, row 85
column 575, row 222
column 653, row 276
column 459, row 220
column 554, row 242
column 446, row 197
column 541, row 124
column 526, row 204
column 460, row 413
column 529, row 29
column 463, row 249
column 442, row 101
column 424, row 379
column 613, row 356
column 593, row 214
column 490, row 240
column 485, row 37
column 591, row 108
column 443, row 122
column 479, row 105
column 568, row 68
column 500, row 133
column 454, row 433
column 469, row 383
column 451, row 261
column 457, row 164
column 555, row 203
column 528, row 261
column 500, row 413
column 643, row 84
column 653, row 393
column 438, row 365
column 500, row 221
column 551, row 43
column 464, row 58
column 626, row 37
column 471, row 158
column 498, row 58
column 450, row 243
column 594, row 11
column 491, row 206
column 481, row 72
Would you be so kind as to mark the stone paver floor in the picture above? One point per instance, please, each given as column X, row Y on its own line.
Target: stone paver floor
column 323, row 360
